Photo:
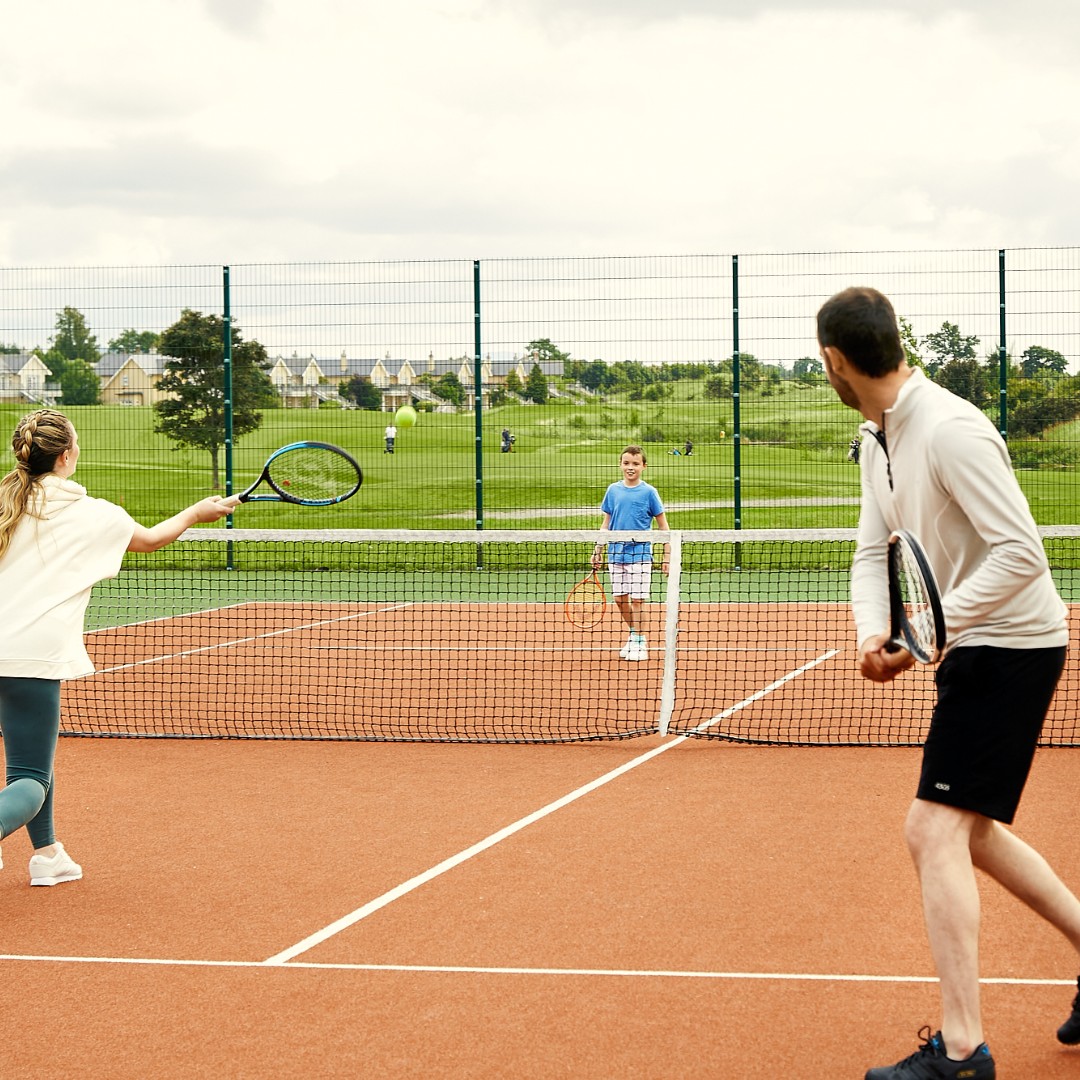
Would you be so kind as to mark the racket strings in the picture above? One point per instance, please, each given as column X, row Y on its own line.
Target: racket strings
column 916, row 599
column 310, row 473
column 586, row 603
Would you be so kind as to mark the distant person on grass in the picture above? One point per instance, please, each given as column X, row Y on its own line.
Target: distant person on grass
column 56, row 543
column 935, row 465
column 631, row 504
column 390, row 434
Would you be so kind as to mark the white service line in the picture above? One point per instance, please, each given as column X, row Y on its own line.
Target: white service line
column 284, row 632
column 406, row 887
column 463, row 969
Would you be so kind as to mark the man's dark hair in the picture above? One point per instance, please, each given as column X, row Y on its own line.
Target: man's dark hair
column 861, row 323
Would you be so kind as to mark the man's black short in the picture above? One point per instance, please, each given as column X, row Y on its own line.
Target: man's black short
column 990, row 711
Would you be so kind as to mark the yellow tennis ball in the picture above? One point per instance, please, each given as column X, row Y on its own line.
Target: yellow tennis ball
column 405, row 416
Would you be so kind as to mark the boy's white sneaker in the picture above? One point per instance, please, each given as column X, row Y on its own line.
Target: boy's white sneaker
column 637, row 651
column 630, row 644
column 52, row 870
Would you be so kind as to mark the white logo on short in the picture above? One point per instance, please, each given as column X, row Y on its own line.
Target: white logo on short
column 941, row 787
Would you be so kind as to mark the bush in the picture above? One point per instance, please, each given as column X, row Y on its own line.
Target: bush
column 1034, row 454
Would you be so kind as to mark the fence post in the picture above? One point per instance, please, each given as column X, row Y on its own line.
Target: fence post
column 736, row 420
column 227, row 393
column 227, row 381
column 1003, row 353
column 478, row 384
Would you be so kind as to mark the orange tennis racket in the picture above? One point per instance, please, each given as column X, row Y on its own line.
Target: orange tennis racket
column 587, row 602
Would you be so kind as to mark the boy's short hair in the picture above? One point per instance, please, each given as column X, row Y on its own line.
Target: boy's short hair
column 861, row 323
column 634, row 450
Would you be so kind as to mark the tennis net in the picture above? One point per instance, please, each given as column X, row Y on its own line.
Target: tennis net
column 463, row 637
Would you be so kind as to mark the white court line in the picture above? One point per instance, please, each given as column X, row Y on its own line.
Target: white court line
column 827, row 655
column 406, row 887
column 163, row 657
column 462, row 969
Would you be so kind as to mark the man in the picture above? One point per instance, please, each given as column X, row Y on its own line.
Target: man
column 935, row 465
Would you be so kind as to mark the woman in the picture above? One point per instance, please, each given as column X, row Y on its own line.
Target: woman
column 56, row 543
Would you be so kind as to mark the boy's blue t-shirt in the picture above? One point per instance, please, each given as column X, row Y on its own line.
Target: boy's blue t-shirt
column 632, row 509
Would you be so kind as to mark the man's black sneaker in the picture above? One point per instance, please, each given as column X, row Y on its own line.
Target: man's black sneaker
column 1069, row 1032
column 930, row 1063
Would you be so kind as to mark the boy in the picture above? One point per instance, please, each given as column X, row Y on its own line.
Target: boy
column 631, row 504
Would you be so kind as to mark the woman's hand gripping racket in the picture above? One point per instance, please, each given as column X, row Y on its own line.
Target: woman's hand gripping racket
column 307, row 474
column 587, row 602
column 918, row 622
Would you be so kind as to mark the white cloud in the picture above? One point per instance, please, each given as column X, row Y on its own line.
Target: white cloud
column 267, row 130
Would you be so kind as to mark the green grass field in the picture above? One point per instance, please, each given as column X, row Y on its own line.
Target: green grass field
column 794, row 471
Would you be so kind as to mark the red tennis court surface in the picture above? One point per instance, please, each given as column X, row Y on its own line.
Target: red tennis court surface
column 648, row 908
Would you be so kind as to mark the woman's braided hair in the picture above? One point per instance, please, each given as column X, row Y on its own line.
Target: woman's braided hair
column 40, row 438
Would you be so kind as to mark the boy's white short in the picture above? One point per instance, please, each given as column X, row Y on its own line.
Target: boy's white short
column 630, row 579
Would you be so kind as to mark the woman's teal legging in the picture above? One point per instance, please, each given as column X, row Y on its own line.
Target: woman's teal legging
column 30, row 722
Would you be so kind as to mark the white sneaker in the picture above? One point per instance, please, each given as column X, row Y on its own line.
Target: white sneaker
column 54, row 869
column 630, row 644
column 637, row 651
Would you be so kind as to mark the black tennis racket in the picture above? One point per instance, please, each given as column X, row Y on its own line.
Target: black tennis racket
column 307, row 474
column 918, row 622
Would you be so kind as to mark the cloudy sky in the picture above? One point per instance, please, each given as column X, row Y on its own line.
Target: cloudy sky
column 229, row 131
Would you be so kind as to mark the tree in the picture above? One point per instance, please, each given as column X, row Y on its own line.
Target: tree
column 542, row 351
column 9, row 350
column 364, row 392
column 513, row 383
column 536, row 386
column 54, row 360
column 594, row 375
column 966, row 379
column 1035, row 360
column 80, row 384
column 449, row 388
column 718, row 386
column 1033, row 416
column 807, row 369
column 72, row 340
column 948, row 344
column 135, row 341
column 911, row 344
column 194, row 412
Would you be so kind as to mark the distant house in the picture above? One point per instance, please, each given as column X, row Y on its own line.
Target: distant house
column 22, row 378
column 131, row 378
column 307, row 381
column 522, row 367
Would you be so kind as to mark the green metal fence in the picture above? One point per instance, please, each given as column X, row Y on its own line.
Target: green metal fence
column 713, row 350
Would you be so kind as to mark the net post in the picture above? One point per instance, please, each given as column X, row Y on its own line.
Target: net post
column 671, row 631
column 227, row 393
